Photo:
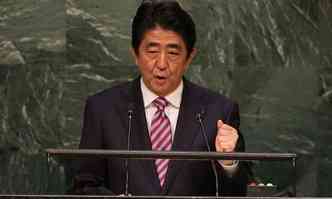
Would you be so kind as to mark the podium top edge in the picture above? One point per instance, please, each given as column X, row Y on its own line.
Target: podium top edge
column 127, row 197
column 193, row 155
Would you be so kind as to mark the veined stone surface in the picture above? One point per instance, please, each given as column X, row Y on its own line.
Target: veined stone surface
column 273, row 57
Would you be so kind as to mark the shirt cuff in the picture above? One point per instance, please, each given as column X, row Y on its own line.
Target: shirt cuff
column 230, row 169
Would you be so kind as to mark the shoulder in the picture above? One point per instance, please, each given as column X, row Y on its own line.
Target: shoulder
column 208, row 96
column 114, row 91
column 111, row 96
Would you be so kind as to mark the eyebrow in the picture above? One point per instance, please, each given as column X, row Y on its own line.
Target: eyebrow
column 172, row 46
column 152, row 44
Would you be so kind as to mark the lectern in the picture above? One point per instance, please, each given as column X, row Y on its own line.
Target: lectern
column 179, row 155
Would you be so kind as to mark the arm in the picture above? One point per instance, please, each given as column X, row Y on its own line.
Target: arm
column 90, row 178
column 230, row 139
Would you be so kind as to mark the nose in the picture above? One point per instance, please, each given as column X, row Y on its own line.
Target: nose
column 162, row 61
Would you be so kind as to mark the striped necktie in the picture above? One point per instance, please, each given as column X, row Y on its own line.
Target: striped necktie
column 161, row 136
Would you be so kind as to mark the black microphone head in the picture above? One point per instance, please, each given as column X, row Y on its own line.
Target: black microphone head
column 202, row 111
column 200, row 114
column 131, row 107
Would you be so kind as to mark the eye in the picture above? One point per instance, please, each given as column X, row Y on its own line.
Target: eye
column 152, row 51
column 173, row 53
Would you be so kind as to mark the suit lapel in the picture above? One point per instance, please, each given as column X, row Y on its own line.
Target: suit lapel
column 186, row 130
column 141, row 140
column 140, row 137
column 186, row 125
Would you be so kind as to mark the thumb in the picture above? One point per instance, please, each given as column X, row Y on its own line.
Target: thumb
column 220, row 123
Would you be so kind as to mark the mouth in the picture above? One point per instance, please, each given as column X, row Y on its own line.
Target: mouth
column 159, row 77
column 160, row 80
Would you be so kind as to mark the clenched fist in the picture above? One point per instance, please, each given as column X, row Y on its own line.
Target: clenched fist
column 226, row 139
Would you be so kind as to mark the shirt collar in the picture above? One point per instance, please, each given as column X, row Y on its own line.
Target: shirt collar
column 174, row 98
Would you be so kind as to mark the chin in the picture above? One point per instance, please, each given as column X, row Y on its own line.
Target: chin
column 160, row 91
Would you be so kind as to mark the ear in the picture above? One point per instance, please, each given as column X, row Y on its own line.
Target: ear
column 193, row 54
column 191, row 57
column 133, row 53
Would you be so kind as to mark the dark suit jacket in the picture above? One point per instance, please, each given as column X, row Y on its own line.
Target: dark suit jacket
column 106, row 126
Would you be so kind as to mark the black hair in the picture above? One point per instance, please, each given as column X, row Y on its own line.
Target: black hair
column 167, row 14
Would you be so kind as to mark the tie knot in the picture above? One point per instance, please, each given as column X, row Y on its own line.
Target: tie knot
column 160, row 103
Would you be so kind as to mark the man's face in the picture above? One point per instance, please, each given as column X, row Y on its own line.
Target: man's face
column 162, row 60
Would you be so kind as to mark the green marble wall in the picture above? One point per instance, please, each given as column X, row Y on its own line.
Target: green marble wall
column 273, row 57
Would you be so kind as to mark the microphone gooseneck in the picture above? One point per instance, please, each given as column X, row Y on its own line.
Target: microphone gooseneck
column 130, row 116
column 199, row 117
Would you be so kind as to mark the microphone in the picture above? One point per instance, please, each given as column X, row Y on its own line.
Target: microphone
column 130, row 116
column 199, row 117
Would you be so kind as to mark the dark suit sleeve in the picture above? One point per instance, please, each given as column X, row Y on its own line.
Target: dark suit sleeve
column 236, row 184
column 90, row 178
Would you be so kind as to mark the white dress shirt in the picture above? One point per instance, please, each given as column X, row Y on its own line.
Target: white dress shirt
column 172, row 112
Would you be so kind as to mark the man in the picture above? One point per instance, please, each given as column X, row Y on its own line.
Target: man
column 165, row 107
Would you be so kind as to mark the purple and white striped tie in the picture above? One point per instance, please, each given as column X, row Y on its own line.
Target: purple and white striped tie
column 161, row 136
